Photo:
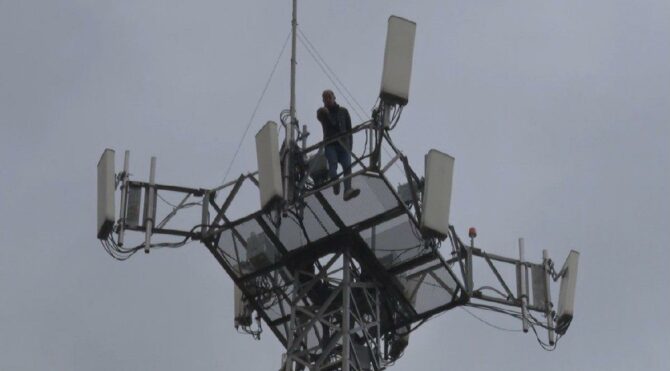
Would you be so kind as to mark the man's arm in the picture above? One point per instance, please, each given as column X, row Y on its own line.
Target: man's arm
column 322, row 115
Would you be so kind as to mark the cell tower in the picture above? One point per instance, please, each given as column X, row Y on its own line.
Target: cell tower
column 341, row 284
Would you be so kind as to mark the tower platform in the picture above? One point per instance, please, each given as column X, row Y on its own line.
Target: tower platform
column 268, row 255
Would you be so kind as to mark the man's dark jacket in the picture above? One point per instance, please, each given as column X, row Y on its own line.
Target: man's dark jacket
column 335, row 121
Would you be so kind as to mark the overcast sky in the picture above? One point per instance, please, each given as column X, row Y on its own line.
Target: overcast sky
column 558, row 115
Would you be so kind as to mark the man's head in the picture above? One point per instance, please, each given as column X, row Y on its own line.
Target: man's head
column 328, row 98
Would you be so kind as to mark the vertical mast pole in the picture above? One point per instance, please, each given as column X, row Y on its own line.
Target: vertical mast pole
column 288, row 176
column 150, row 205
column 547, row 280
column 524, row 286
column 124, row 197
column 294, row 25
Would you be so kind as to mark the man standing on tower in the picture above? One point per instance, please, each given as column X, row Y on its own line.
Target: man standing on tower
column 336, row 122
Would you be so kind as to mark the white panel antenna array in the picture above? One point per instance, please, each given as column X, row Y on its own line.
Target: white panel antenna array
column 106, row 186
column 398, row 60
column 269, row 166
column 437, row 193
column 566, row 296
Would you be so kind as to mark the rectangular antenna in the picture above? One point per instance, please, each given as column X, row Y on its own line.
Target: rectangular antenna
column 106, row 186
column 398, row 61
column 269, row 166
column 437, row 193
column 566, row 296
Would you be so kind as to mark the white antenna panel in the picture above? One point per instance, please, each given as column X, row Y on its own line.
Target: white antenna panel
column 437, row 193
column 106, row 186
column 566, row 296
column 269, row 166
column 398, row 60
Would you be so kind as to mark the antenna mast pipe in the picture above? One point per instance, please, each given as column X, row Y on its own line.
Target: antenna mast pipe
column 150, row 205
column 547, row 280
column 524, row 285
column 288, row 176
column 124, row 196
column 294, row 25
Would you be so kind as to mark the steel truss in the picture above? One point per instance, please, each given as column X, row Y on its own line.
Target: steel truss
column 335, row 318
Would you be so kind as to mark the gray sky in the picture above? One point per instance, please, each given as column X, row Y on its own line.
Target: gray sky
column 558, row 115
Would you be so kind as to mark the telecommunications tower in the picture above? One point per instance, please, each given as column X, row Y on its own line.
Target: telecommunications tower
column 341, row 284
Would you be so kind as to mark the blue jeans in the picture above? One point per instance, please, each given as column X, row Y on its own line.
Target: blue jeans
column 336, row 153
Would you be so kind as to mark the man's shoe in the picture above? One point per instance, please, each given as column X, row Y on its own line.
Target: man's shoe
column 336, row 188
column 351, row 193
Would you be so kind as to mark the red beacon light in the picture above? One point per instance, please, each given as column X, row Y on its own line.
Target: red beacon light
column 472, row 232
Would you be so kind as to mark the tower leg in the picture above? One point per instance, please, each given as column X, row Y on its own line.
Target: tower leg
column 335, row 318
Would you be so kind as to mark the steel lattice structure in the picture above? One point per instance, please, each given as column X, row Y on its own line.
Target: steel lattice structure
column 340, row 284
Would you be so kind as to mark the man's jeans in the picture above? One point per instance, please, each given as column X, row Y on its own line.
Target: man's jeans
column 336, row 153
